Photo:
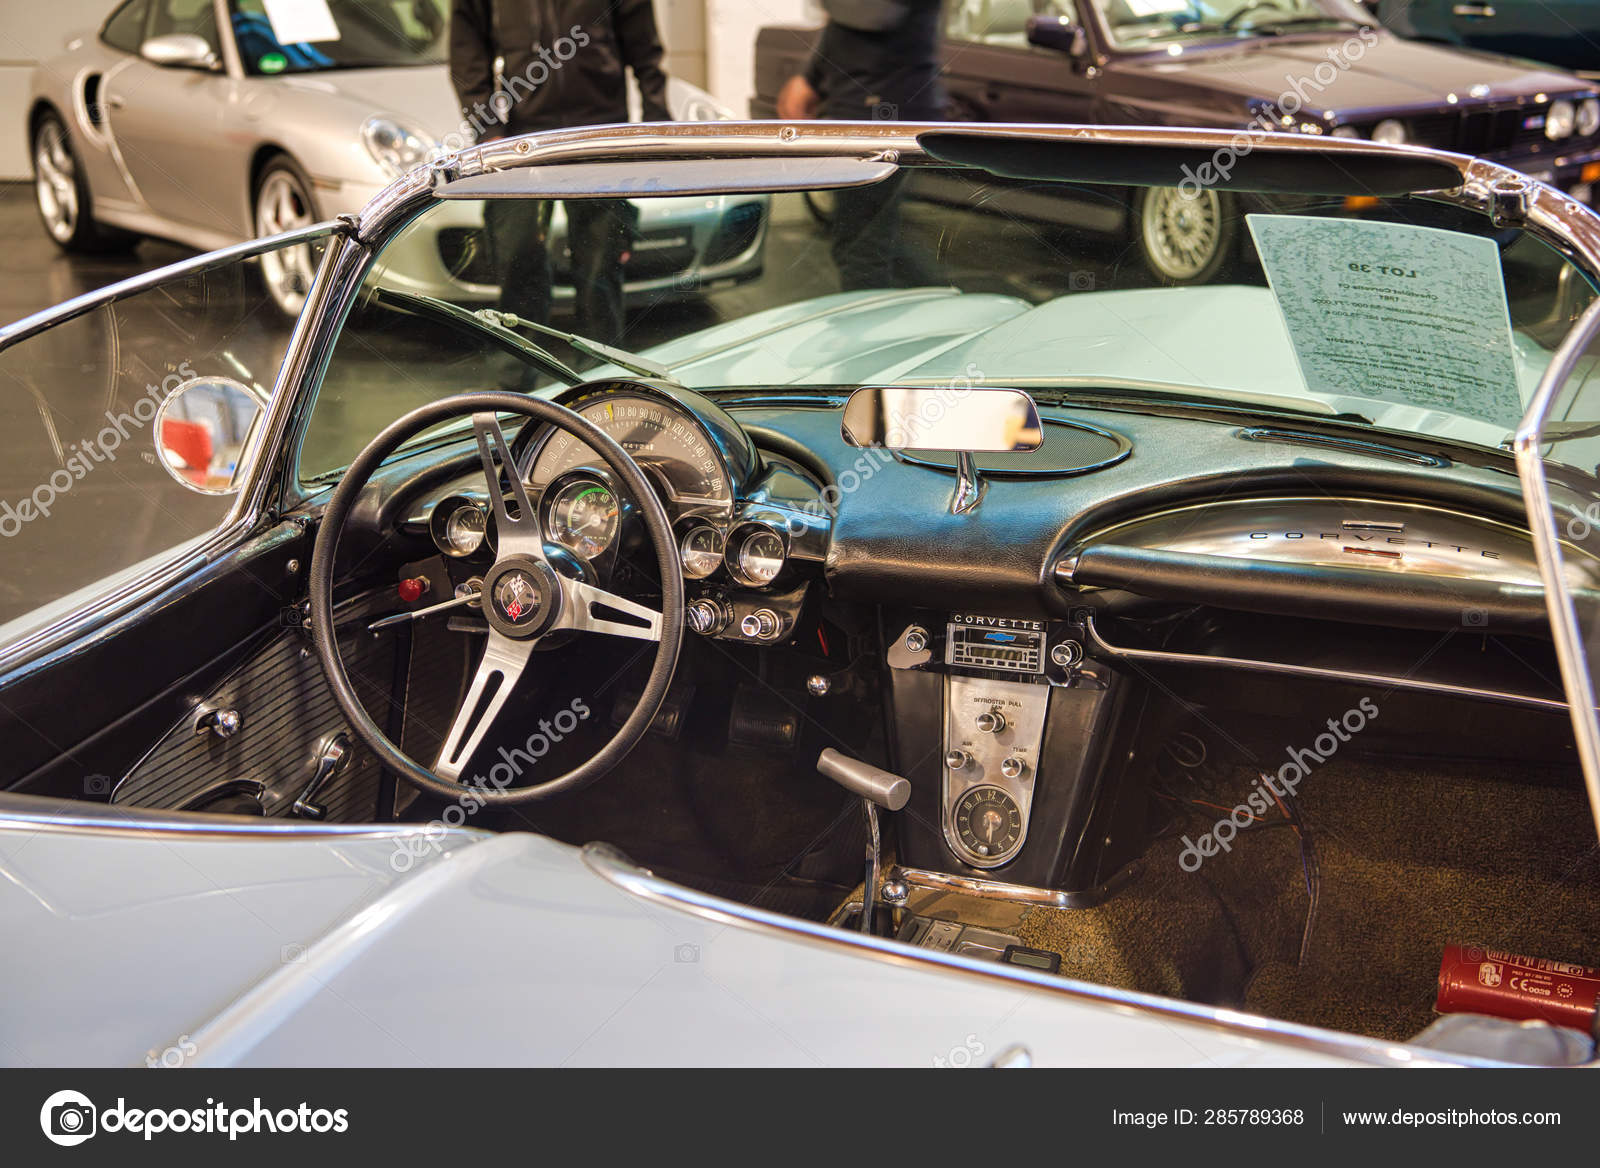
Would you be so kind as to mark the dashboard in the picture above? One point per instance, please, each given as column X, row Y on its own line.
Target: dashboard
column 1197, row 510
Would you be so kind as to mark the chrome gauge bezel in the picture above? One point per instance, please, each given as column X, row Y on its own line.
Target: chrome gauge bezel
column 581, row 479
column 446, row 513
column 699, row 530
column 738, row 541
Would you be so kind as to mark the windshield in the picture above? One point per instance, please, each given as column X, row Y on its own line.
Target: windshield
column 1150, row 24
column 339, row 34
column 1403, row 316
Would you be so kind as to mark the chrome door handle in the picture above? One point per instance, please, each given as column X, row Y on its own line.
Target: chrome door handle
column 1474, row 11
column 114, row 102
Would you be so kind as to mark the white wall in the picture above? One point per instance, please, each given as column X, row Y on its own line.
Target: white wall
column 731, row 27
column 29, row 32
column 683, row 31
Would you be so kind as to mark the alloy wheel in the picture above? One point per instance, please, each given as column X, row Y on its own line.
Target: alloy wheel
column 55, row 181
column 1181, row 233
column 283, row 204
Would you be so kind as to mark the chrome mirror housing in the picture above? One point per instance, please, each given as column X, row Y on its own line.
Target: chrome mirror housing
column 202, row 430
column 965, row 420
column 977, row 421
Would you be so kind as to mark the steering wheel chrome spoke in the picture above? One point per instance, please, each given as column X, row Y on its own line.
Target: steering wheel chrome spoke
column 522, row 597
column 503, row 662
column 583, row 605
column 520, row 535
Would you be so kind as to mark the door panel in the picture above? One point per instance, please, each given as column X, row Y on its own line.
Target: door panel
column 994, row 75
column 167, row 123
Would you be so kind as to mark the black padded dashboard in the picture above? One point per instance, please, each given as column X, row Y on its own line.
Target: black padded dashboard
column 894, row 539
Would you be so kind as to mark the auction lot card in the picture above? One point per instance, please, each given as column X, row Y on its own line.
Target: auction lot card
column 1414, row 316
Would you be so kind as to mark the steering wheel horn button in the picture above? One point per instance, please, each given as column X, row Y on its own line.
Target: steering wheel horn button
column 524, row 596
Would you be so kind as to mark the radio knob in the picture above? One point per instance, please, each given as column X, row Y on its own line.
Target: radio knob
column 991, row 722
column 1013, row 767
column 958, row 760
column 1067, row 654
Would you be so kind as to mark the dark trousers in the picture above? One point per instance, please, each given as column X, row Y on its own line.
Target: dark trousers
column 867, row 247
column 599, row 233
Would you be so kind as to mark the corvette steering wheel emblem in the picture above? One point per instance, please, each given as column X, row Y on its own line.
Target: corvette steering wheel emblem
column 516, row 597
column 524, row 596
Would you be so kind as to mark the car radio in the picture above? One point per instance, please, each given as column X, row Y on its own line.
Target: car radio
column 990, row 642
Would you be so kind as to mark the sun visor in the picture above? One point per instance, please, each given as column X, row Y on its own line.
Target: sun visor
column 658, row 178
column 1334, row 169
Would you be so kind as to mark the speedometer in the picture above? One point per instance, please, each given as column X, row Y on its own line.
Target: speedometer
column 660, row 435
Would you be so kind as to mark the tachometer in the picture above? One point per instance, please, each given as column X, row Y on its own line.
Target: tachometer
column 583, row 517
column 662, row 437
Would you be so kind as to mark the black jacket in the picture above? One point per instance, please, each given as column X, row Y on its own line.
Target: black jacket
column 564, row 63
column 879, row 61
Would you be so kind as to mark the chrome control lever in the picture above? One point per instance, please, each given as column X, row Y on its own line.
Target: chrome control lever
column 331, row 759
column 877, row 788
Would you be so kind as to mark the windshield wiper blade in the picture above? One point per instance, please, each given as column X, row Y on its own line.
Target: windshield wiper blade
column 600, row 351
column 455, row 314
column 1279, row 27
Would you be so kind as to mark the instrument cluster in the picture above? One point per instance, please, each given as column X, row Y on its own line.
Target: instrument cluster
column 736, row 542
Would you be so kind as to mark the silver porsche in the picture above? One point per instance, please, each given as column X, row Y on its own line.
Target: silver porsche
column 209, row 122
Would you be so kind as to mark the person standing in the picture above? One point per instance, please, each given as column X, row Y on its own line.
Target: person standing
column 877, row 60
column 564, row 63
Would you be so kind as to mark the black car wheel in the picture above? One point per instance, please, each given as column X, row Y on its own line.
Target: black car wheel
column 1185, row 239
column 62, row 193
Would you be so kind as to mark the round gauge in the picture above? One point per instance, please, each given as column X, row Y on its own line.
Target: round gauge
column 701, row 548
column 459, row 526
column 662, row 437
column 988, row 823
column 465, row 530
column 583, row 518
column 759, row 556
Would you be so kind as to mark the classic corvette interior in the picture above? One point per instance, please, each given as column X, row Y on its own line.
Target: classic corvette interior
column 1184, row 641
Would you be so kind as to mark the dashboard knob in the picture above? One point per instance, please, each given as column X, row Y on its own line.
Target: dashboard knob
column 761, row 625
column 706, row 617
column 991, row 722
column 1013, row 767
column 958, row 760
column 916, row 639
column 1067, row 654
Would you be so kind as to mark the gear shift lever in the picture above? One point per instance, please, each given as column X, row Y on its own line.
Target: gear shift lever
column 877, row 788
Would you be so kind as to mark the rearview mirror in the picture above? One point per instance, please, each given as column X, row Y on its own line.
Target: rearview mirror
column 180, row 50
column 975, row 421
column 1057, row 32
column 202, row 428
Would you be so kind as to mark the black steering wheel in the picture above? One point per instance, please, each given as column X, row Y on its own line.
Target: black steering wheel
column 523, row 598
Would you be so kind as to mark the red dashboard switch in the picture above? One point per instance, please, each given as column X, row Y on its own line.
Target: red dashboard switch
column 413, row 590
